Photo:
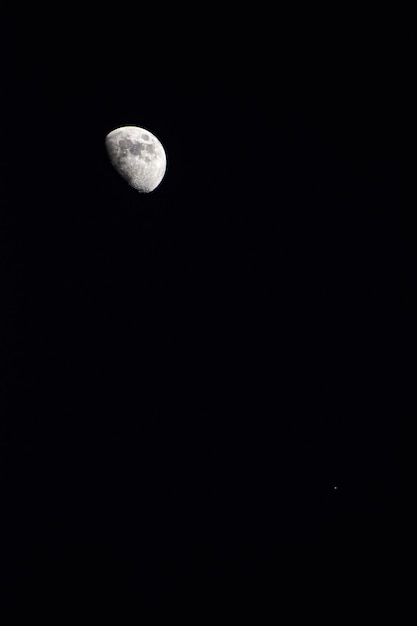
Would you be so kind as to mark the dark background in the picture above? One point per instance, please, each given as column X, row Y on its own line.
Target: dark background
column 186, row 376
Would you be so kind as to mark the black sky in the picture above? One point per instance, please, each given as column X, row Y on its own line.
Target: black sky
column 187, row 376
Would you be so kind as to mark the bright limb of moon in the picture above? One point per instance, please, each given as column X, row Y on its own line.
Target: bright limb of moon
column 138, row 156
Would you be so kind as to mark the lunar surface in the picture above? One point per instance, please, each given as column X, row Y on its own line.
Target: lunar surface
column 138, row 156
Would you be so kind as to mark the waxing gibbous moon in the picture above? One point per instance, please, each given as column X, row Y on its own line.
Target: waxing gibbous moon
column 138, row 156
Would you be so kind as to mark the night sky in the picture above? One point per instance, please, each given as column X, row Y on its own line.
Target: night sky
column 205, row 404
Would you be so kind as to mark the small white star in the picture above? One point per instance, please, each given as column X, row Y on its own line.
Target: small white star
column 335, row 487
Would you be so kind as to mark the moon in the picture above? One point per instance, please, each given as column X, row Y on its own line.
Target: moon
column 138, row 156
